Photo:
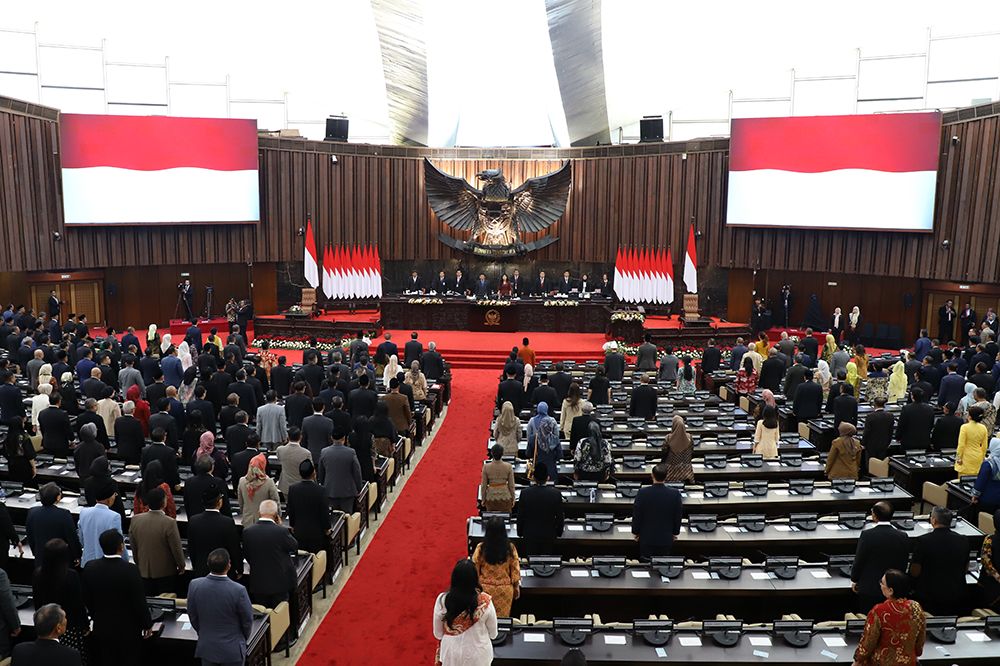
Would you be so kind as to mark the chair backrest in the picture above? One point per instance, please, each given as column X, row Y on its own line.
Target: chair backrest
column 882, row 331
column 281, row 620
column 935, row 494
column 372, row 494
column 878, row 467
column 895, row 331
column 308, row 299
column 986, row 525
column 867, row 328
column 319, row 568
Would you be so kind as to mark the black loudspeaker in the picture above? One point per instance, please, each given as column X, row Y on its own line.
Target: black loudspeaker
column 336, row 129
column 112, row 289
column 908, row 300
column 650, row 129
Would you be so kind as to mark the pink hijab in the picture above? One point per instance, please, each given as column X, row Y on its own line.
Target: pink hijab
column 768, row 397
column 207, row 443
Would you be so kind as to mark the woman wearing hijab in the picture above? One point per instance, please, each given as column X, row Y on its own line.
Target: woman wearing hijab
column 543, row 441
column 678, row 447
column 852, row 377
column 100, row 473
column 966, row 403
column 823, row 376
column 39, row 402
column 19, row 452
column 363, row 443
column 989, row 571
column 68, row 392
column 206, row 447
column 836, row 324
column 530, row 382
column 897, row 383
column 45, row 376
column 153, row 478
column 986, row 493
column 497, row 485
column 186, row 390
column 418, row 381
column 765, row 439
column 844, row 458
column 141, row 408
column 254, row 488
column 746, row 378
column 829, row 348
column 507, row 429
column 767, row 398
column 854, row 325
column 972, row 443
column 153, row 340
column 392, row 369
column 184, row 354
column 592, row 460
column 877, row 385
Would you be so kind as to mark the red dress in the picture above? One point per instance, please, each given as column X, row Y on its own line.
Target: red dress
column 505, row 289
column 745, row 384
column 894, row 634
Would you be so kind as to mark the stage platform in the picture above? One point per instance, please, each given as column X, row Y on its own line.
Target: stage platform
column 179, row 327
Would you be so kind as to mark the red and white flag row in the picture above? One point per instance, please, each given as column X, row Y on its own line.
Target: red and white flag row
column 643, row 275
column 348, row 272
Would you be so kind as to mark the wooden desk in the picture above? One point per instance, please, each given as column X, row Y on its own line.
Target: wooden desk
column 529, row 314
column 911, row 470
column 772, row 470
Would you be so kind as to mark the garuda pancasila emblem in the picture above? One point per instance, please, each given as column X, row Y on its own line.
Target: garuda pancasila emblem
column 497, row 216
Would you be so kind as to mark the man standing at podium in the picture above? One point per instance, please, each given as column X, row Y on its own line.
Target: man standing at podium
column 413, row 283
column 516, row 288
column 482, row 287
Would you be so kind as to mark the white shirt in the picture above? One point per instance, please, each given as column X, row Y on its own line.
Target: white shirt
column 470, row 648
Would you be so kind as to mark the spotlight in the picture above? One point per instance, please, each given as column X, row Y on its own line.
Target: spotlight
column 946, row 244
column 954, row 140
column 302, row 232
column 56, row 236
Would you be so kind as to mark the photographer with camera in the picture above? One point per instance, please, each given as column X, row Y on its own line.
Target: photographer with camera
column 187, row 296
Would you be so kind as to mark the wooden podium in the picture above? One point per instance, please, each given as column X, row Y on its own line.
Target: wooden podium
column 691, row 306
column 308, row 300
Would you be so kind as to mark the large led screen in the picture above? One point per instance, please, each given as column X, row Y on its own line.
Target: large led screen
column 874, row 172
column 151, row 169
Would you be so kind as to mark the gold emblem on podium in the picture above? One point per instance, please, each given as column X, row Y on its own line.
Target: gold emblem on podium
column 492, row 318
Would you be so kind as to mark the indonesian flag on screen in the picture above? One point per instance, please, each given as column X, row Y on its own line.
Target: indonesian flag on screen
column 149, row 169
column 857, row 172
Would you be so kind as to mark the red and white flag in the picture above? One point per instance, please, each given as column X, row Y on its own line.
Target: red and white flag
column 378, row 274
column 327, row 272
column 858, row 172
column 691, row 265
column 311, row 269
column 155, row 169
column 669, row 286
column 619, row 277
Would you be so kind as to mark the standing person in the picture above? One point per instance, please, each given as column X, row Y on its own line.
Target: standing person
column 290, row 456
column 916, row 422
column 496, row 490
column 417, row 380
column 989, row 560
column 711, row 358
column 678, row 448
column 668, row 367
column 507, row 429
column 599, row 391
column 543, row 441
column 527, row 353
column 50, row 625
column 895, row 629
column 946, row 429
column 308, row 511
column 339, row 472
column 765, row 439
column 746, row 378
column 836, row 324
column 877, row 435
column 254, row 489
column 946, row 321
column 844, row 458
column 540, row 515
column 56, row 582
column 854, row 325
column 592, row 459
column 96, row 520
column 363, row 443
column 156, row 542
column 897, row 383
column 939, row 564
column 498, row 566
column 114, row 594
column 967, row 321
column 972, row 444
column 271, row 424
column 656, row 516
column 785, row 305
column 642, row 403
column 19, row 451
column 879, row 548
column 465, row 620
column 572, row 407
column 212, row 528
column 986, row 493
column 808, row 401
column 269, row 547
column 221, row 613
column 645, row 355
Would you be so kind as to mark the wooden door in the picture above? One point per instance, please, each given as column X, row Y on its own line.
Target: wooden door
column 40, row 296
column 85, row 299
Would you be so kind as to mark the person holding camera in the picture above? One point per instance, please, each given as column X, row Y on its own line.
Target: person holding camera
column 187, row 295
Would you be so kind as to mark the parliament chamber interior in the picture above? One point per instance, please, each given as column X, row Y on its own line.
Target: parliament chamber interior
column 582, row 368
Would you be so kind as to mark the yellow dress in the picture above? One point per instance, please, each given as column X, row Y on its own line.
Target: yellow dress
column 498, row 580
column 972, row 441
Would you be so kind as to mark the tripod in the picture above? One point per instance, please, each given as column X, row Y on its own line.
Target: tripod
column 177, row 306
column 208, row 302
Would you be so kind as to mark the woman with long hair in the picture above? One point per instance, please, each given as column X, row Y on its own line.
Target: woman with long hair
column 153, row 478
column 543, row 441
column 19, row 451
column 507, row 429
column 572, row 407
column 861, row 359
column 56, row 582
column 895, row 630
column 186, row 390
column 254, row 488
column 762, row 344
column 362, row 442
column 765, row 439
column 465, row 620
column 599, row 392
column 417, row 380
column 678, row 448
column 496, row 488
column 505, row 288
column 685, row 378
column 498, row 566
column 746, row 378
column 592, row 459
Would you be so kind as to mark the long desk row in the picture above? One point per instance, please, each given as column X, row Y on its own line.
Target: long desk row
column 640, row 468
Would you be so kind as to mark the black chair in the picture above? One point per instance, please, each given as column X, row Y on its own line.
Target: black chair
column 867, row 331
column 895, row 338
column 882, row 336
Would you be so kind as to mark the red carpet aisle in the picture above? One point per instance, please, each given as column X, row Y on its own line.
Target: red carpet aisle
column 383, row 615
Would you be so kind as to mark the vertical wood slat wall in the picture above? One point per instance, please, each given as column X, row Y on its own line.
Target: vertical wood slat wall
column 622, row 195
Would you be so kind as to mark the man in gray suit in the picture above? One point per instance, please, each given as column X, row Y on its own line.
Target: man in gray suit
column 839, row 359
column 646, row 356
column 221, row 613
column 786, row 346
column 128, row 376
column 317, row 430
column 340, row 473
column 291, row 456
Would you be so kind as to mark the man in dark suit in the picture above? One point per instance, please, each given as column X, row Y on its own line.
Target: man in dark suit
column 967, row 320
column 298, row 405
column 50, row 624
column 656, row 516
column 11, row 404
column 808, row 401
column 406, row 389
column 645, row 358
column 157, row 390
column 841, row 380
column 926, row 389
column 795, row 376
column 431, row 363
column 643, row 402
column 54, row 304
column 560, row 381
column 952, row 387
column 57, row 431
column 946, row 321
column 114, row 595
column 281, row 377
column 482, row 287
column 771, row 371
column 49, row 521
column 308, row 511
column 877, row 435
column 544, row 391
column 845, row 407
column 711, row 358
column 388, row 347
column 413, row 284
column 362, row 400
column 312, row 374
column 812, row 347
column 880, row 548
column 248, row 397
column 440, row 284
column 460, row 285
column 221, row 613
column 339, row 472
column 227, row 415
column 164, row 421
column 200, row 404
column 580, row 428
column 614, row 366
column 511, row 390
column 412, row 350
column 566, row 283
column 165, row 455
column 544, row 286
column 341, row 417
column 238, row 434
column 939, row 564
column 90, row 415
column 240, row 463
column 193, row 337
column 213, row 528
column 268, row 548
column 916, row 422
column 317, row 430
column 540, row 515
column 202, row 483
column 129, row 436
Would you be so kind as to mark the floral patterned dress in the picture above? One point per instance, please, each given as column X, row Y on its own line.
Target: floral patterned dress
column 988, row 573
column 499, row 580
column 894, row 634
column 467, row 641
column 745, row 384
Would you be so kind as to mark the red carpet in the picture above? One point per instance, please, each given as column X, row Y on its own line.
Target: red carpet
column 383, row 614
column 659, row 321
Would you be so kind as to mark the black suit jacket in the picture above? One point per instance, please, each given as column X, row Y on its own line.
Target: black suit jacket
column 771, row 372
column 413, row 284
column 248, row 397
column 943, row 557
column 834, row 394
column 341, row 419
column 432, row 365
column 513, row 391
column 579, row 429
column 879, row 548
column 946, row 431
column 268, row 548
column 165, row 421
column 362, row 403
column 115, row 597
column 41, row 651
column 236, row 438
column 309, row 514
column 239, row 464
column 207, row 410
column 317, row 434
column 545, row 393
column 808, row 402
column 412, row 351
column 482, row 288
column 656, row 515
column 210, row 530
column 614, row 367
column 812, row 349
column 311, row 374
column 916, row 421
column 711, row 359
column 154, row 392
column 57, row 432
column 297, row 407
column 877, row 436
column 281, row 379
column 845, row 408
column 194, row 490
column 540, row 514
column 86, row 417
column 643, row 402
column 560, row 381
column 45, row 523
column 167, row 457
